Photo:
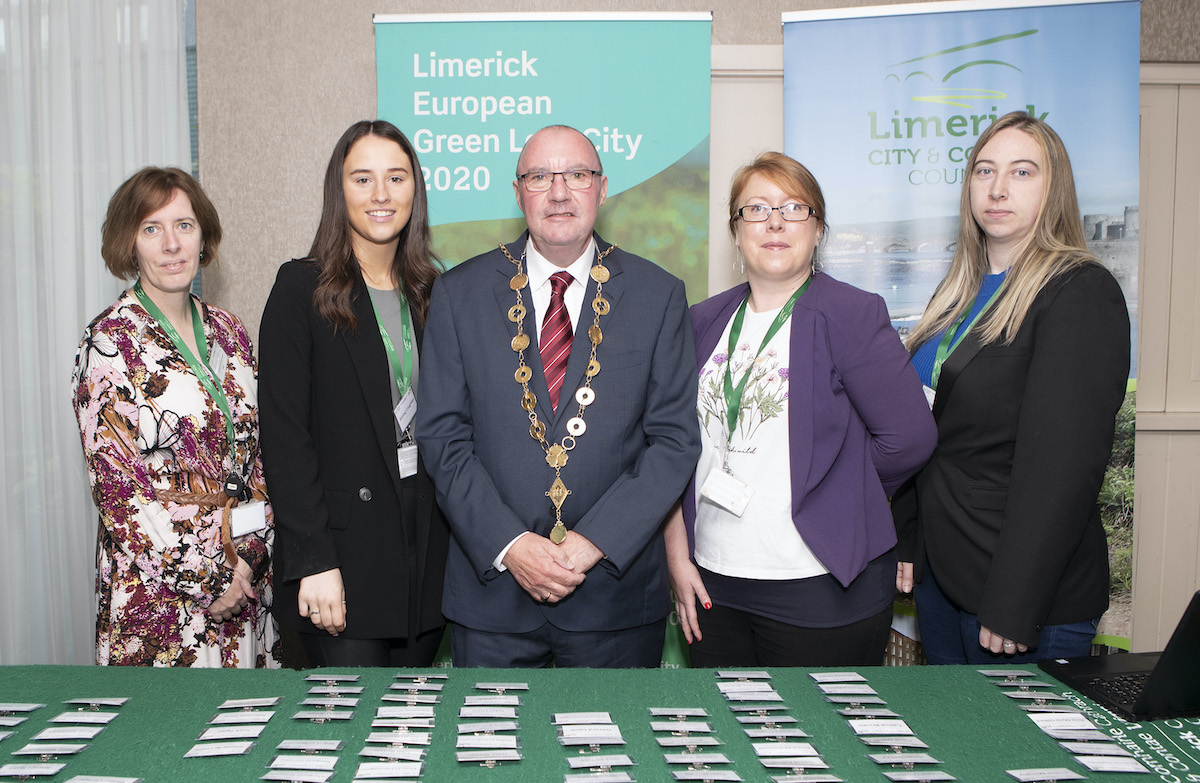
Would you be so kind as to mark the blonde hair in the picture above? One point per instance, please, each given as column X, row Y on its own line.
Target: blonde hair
column 1055, row 245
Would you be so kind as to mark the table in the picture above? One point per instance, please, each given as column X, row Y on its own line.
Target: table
column 969, row 725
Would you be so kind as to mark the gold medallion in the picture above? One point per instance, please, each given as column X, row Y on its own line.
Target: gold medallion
column 599, row 273
column 593, row 368
column 537, row 430
column 600, row 305
column 595, row 335
column 518, row 281
column 523, row 373
column 558, row 533
column 585, row 396
column 528, row 402
column 516, row 313
column 556, row 456
column 576, row 426
column 520, row 342
column 558, row 492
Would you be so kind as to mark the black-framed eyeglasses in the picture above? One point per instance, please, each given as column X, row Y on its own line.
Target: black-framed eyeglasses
column 757, row 213
column 541, row 181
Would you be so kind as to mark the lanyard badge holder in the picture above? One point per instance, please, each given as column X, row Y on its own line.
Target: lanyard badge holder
column 722, row 488
column 402, row 371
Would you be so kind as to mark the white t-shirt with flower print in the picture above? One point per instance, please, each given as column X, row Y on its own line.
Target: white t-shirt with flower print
column 763, row 542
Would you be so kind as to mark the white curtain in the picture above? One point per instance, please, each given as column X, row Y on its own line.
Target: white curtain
column 92, row 91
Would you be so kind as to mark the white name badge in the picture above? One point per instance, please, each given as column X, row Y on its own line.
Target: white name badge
column 726, row 491
column 406, row 409
column 248, row 518
column 407, row 457
column 929, row 395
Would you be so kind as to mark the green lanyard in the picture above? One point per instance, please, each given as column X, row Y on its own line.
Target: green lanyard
column 199, row 366
column 733, row 394
column 402, row 371
column 948, row 343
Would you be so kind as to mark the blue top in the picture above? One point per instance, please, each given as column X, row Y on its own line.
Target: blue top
column 922, row 359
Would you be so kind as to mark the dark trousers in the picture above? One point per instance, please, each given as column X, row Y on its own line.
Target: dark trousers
column 325, row 650
column 629, row 648
column 732, row 637
column 950, row 635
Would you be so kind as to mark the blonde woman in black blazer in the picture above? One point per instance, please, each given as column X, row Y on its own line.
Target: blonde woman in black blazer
column 360, row 543
column 1002, row 524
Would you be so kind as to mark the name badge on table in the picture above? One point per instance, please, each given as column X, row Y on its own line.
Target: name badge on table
column 726, row 491
column 406, row 409
column 248, row 518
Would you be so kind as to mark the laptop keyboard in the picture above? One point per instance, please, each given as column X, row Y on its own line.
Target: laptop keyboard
column 1121, row 688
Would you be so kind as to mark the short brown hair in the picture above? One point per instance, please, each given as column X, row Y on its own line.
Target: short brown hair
column 789, row 174
column 141, row 195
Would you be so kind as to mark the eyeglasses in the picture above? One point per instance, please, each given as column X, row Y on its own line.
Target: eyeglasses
column 757, row 213
column 541, row 181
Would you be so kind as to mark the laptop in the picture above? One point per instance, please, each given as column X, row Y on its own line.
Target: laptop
column 1142, row 686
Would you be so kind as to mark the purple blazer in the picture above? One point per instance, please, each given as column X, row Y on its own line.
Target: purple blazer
column 858, row 422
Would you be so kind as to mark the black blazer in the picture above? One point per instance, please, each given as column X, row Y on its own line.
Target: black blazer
column 329, row 452
column 1005, row 510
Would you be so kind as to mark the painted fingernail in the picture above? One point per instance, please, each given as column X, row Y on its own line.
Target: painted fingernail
column 707, row 605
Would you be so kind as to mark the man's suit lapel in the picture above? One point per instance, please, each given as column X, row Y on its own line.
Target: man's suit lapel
column 952, row 368
column 374, row 376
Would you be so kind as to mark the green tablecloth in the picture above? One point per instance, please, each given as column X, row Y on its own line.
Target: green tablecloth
column 975, row 731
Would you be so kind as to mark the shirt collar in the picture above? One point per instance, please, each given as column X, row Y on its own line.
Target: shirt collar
column 540, row 269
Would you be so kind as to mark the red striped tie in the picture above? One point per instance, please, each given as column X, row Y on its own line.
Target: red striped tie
column 556, row 336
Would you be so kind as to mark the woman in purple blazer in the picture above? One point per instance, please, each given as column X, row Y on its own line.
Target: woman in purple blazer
column 783, row 548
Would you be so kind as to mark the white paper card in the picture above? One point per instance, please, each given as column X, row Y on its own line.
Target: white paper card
column 231, row 732
column 219, row 749
column 106, row 701
column 604, row 760
column 101, row 779
column 1095, row 749
column 694, row 741
column 1112, row 764
column 902, row 758
column 80, row 716
column 485, row 727
column 488, row 712
column 49, row 749
column 249, row 704
column 247, row 716
column 705, row 774
column 312, row 746
column 1061, row 720
column 30, row 770
column 494, row 699
column 837, row 677
column 872, row 726
column 784, row 749
column 727, row 491
column 248, row 518
column 597, row 777
column 696, row 758
column 681, row 726
column 405, row 410
column 487, row 741
column 325, row 763
column 919, row 775
column 69, row 733
column 298, row 775
column 393, row 753
column 406, row 460
column 387, row 770
column 1044, row 773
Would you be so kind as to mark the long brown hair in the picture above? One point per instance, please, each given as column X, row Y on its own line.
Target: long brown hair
column 414, row 263
column 1055, row 245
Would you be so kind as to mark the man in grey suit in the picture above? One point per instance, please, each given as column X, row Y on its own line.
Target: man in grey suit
column 558, row 421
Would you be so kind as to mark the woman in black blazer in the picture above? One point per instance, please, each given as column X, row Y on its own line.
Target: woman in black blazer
column 1026, row 342
column 360, row 543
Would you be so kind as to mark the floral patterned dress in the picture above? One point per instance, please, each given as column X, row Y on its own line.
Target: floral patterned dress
column 147, row 425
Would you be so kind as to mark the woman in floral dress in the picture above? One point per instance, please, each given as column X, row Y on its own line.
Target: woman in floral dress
column 166, row 399
column 783, row 549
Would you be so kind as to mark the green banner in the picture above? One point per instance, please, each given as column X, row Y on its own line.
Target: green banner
column 470, row 89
